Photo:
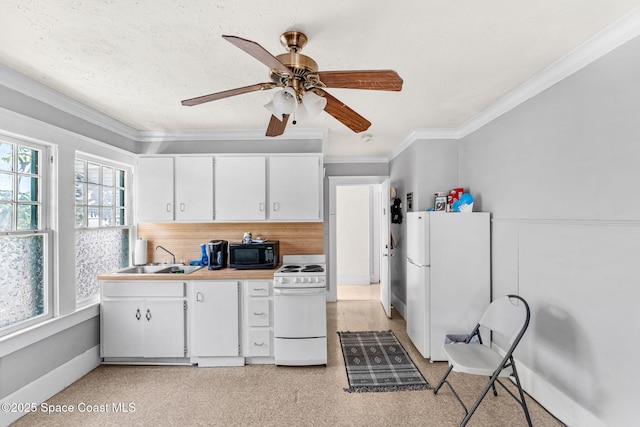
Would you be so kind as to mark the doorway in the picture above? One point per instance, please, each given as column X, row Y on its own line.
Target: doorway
column 357, row 267
column 361, row 260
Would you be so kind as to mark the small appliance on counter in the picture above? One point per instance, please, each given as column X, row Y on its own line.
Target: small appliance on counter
column 217, row 250
column 254, row 256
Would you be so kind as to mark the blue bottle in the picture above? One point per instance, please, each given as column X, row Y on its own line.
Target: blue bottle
column 205, row 259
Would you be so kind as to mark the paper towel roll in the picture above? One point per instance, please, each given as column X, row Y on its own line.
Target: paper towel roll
column 140, row 252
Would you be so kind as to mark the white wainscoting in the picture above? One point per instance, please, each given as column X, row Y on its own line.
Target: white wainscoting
column 581, row 281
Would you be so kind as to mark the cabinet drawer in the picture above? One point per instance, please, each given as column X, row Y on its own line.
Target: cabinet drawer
column 259, row 312
column 259, row 289
column 122, row 288
column 259, row 342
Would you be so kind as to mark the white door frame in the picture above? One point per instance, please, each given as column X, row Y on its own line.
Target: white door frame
column 334, row 182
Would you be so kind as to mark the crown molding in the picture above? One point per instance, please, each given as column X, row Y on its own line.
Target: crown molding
column 40, row 92
column 609, row 39
column 417, row 134
column 345, row 159
column 617, row 34
column 227, row 135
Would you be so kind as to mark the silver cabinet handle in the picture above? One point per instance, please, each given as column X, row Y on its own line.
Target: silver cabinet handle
column 261, row 207
column 258, row 314
column 168, row 207
column 276, row 206
column 181, row 207
column 199, row 296
column 138, row 315
column 259, row 344
column 148, row 316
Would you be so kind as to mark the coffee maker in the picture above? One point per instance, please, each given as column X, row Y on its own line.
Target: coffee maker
column 218, row 250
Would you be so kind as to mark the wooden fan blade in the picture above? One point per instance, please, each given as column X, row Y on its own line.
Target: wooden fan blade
column 276, row 126
column 370, row 80
column 227, row 93
column 258, row 52
column 344, row 114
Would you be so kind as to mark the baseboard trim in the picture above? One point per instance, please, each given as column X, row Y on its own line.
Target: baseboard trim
column 51, row 383
column 555, row 401
column 212, row 362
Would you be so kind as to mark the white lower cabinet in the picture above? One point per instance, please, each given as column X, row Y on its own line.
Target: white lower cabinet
column 145, row 320
column 200, row 322
column 257, row 323
column 215, row 325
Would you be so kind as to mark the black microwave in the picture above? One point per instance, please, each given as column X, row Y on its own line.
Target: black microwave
column 250, row 256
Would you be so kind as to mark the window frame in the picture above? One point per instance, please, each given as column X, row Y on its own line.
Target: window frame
column 45, row 213
column 127, row 207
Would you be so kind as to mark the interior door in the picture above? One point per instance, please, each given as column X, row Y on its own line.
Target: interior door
column 385, row 250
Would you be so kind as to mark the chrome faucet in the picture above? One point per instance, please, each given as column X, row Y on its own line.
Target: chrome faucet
column 173, row 257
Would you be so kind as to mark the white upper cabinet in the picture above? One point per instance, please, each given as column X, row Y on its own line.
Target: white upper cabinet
column 240, row 188
column 229, row 188
column 155, row 189
column 294, row 188
column 194, row 188
column 179, row 188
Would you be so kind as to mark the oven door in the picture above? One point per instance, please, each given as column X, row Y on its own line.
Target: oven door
column 299, row 313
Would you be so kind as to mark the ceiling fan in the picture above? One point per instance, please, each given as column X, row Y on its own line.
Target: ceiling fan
column 303, row 85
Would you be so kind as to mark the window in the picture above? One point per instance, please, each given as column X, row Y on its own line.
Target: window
column 24, row 240
column 102, row 228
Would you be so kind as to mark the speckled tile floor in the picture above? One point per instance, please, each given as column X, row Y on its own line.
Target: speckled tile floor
column 266, row 395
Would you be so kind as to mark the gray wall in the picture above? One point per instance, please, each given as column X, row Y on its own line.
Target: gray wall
column 559, row 175
column 425, row 167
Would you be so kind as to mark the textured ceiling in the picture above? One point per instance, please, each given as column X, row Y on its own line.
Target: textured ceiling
column 135, row 60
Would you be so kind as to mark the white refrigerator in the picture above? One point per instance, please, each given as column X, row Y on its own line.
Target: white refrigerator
column 448, row 276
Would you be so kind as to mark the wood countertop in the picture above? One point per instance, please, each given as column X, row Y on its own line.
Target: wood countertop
column 202, row 274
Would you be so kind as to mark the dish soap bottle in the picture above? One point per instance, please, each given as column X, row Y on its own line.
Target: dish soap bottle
column 204, row 261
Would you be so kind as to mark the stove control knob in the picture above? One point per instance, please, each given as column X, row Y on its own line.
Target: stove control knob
column 297, row 280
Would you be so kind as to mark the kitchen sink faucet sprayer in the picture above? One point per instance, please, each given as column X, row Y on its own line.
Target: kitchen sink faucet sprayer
column 173, row 257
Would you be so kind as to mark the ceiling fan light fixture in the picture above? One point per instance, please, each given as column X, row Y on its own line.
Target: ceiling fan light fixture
column 313, row 103
column 284, row 102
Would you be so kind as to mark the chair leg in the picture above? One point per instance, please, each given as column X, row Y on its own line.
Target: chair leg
column 442, row 381
column 522, row 401
column 486, row 388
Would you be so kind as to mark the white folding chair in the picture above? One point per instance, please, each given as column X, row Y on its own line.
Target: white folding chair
column 509, row 317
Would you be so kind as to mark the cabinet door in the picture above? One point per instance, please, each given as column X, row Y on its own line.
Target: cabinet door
column 215, row 323
column 294, row 188
column 155, row 189
column 194, row 188
column 240, row 188
column 122, row 328
column 164, row 328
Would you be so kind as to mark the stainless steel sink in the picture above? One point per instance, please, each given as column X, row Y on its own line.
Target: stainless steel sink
column 159, row 269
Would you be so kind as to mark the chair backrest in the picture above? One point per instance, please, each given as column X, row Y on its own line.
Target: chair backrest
column 508, row 316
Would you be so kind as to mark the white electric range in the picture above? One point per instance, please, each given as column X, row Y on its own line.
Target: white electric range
column 299, row 312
